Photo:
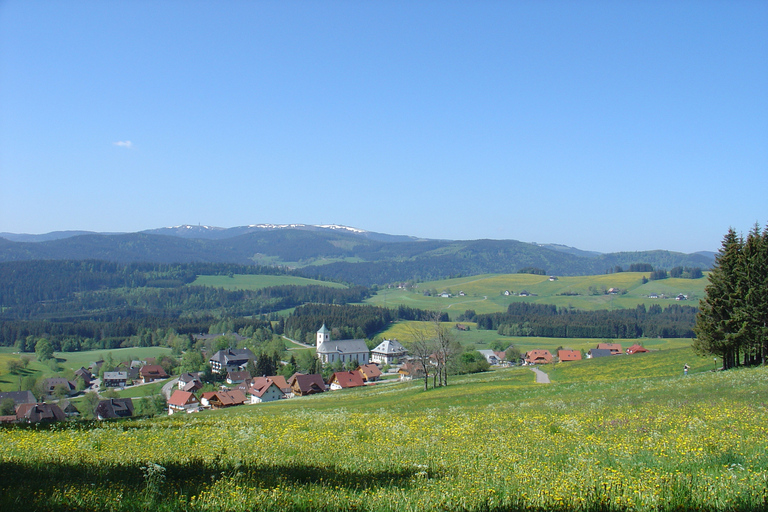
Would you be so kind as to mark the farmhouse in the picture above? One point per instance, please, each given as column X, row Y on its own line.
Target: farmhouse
column 490, row 356
column 84, row 374
column 598, row 352
column 344, row 380
column 636, row 349
column 264, row 389
column 388, row 352
column 39, row 413
column 569, row 355
column 51, row 384
column 151, row 373
column 329, row 351
column 182, row 401
column 410, row 371
column 230, row 360
column 18, row 397
column 221, row 399
column 615, row 348
column 114, row 408
column 303, row 385
column 370, row 372
column 538, row 357
column 188, row 379
column 238, row 377
column 115, row 379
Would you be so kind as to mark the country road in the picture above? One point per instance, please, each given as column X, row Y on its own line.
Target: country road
column 541, row 377
column 485, row 297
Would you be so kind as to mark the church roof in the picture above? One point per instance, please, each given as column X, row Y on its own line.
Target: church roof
column 323, row 330
column 342, row 347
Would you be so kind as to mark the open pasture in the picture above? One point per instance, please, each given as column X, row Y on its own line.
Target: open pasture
column 485, row 293
column 494, row 441
column 257, row 282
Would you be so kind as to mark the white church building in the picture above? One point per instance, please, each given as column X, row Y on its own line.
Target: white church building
column 330, row 351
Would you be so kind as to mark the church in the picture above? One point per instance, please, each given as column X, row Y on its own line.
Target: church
column 330, row 351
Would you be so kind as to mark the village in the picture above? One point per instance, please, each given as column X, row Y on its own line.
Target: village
column 184, row 394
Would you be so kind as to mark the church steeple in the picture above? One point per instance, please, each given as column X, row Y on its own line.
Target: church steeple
column 323, row 335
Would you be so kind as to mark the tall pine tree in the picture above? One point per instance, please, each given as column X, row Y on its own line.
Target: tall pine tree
column 718, row 328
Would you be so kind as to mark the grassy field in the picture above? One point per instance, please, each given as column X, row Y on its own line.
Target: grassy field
column 256, row 282
column 606, row 435
column 485, row 294
column 481, row 339
column 70, row 361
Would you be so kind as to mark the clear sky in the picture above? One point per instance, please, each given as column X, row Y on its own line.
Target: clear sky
column 603, row 125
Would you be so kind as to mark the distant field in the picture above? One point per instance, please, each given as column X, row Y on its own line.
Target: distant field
column 256, row 282
column 485, row 293
column 480, row 339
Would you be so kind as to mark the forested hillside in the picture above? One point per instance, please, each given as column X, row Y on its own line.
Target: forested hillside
column 343, row 256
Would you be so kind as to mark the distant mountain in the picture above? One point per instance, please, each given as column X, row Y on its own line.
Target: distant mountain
column 335, row 252
column 54, row 235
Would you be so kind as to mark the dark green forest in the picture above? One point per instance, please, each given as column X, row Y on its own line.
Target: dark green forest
column 524, row 319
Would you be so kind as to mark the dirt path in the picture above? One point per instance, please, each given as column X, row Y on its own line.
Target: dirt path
column 541, row 377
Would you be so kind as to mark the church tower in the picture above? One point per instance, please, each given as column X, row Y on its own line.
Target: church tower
column 323, row 335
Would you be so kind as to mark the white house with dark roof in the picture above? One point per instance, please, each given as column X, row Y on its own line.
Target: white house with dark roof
column 388, row 351
column 231, row 360
column 330, row 351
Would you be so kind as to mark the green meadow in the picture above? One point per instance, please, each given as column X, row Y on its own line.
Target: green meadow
column 617, row 434
column 257, row 282
column 485, row 293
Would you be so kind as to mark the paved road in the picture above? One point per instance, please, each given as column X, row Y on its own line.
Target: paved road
column 541, row 377
column 169, row 386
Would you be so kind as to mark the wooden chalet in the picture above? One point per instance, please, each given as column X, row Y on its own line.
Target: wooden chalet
column 538, row 357
column 344, row 380
column 370, row 372
column 568, row 355
column 637, row 349
column 303, row 385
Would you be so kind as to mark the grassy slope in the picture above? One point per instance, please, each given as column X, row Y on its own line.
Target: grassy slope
column 256, row 282
column 484, row 294
column 622, row 433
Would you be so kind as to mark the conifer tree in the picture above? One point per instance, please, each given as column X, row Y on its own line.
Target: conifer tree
column 718, row 330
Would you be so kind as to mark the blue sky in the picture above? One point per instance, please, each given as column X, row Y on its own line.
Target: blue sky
column 607, row 126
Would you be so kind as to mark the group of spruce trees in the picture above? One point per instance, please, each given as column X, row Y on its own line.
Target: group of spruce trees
column 733, row 318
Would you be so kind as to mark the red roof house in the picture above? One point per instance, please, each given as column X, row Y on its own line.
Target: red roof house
column 569, row 355
column 615, row 348
column 636, row 349
column 538, row 357
column 344, row 380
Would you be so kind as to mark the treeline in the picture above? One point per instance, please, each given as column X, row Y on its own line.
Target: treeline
column 544, row 320
column 733, row 319
column 348, row 321
column 30, row 282
column 681, row 272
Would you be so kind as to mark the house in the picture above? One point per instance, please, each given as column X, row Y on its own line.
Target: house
column 19, row 397
column 388, row 352
column 598, row 352
column 220, row 399
column 303, row 385
column 409, row 371
column 238, row 377
column 281, row 383
column 538, row 357
column 182, row 401
column 85, row 374
column 445, row 295
column 636, row 349
column 507, row 292
column 115, row 379
column 568, row 355
column 50, row 385
column 231, row 360
column 615, row 348
column 490, row 356
column 187, row 378
column 264, row 389
column 370, row 372
column 553, row 278
column 114, row 408
column 152, row 372
column 681, row 297
column 344, row 380
column 68, row 408
column 39, row 413
column 653, row 296
column 330, row 351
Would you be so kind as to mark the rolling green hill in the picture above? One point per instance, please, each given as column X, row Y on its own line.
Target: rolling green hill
column 486, row 293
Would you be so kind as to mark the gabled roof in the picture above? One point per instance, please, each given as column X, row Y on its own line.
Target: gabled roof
column 154, row 371
column 19, row 397
column 263, row 384
column 188, row 377
column 181, row 398
column 35, row 413
column 600, row 352
column 569, row 355
column 307, row 384
column 615, row 348
column 342, row 347
column 369, row 371
column 115, row 375
column 115, row 408
column 52, row 382
column 389, row 348
column 238, row 376
column 637, row 349
column 233, row 356
column 538, row 355
column 351, row 379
